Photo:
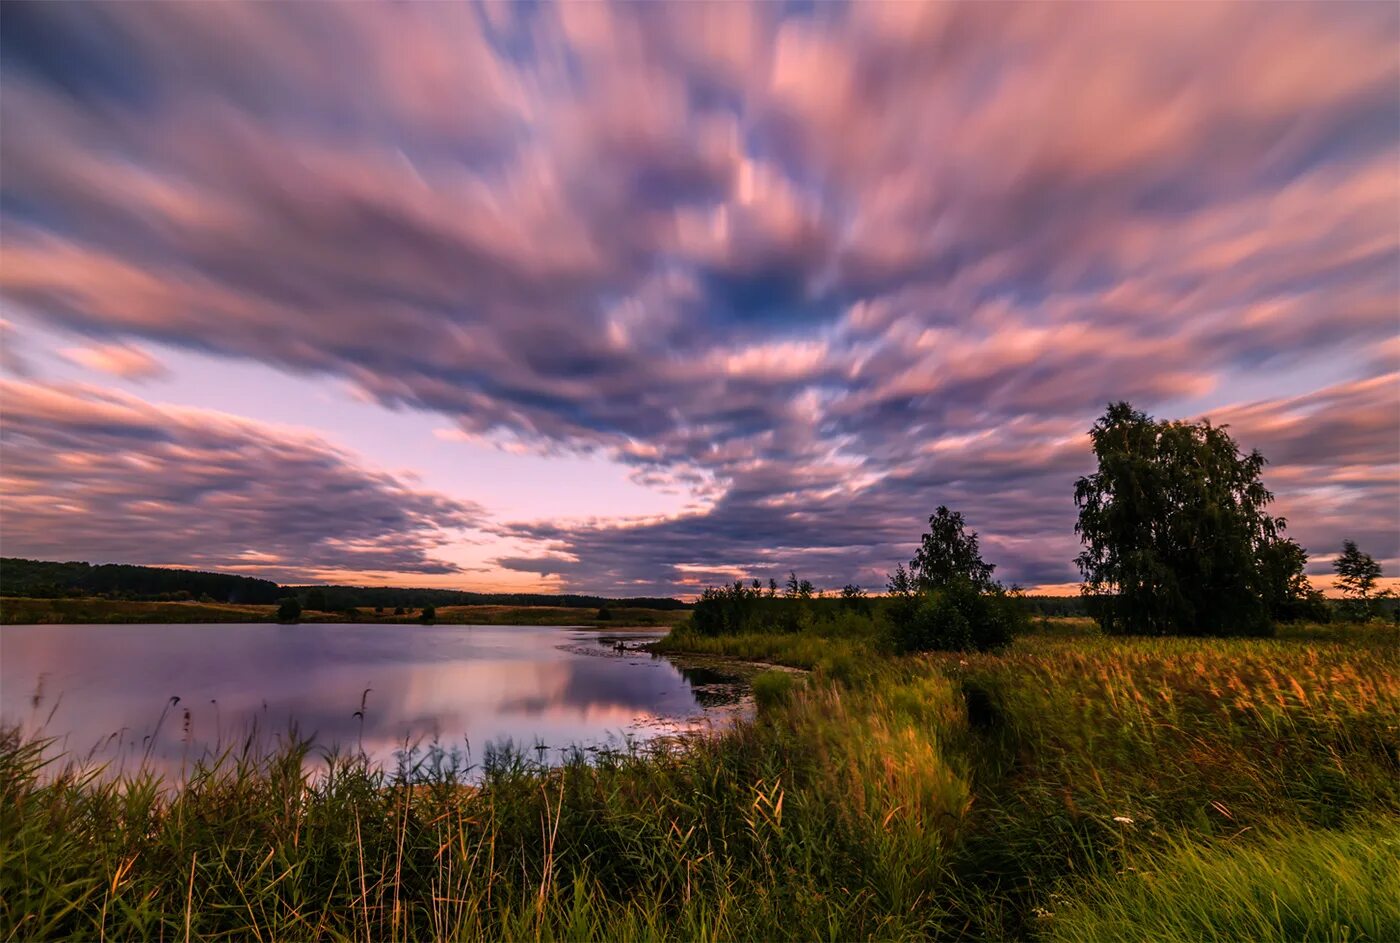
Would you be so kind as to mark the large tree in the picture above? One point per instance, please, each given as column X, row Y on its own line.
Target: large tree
column 1175, row 531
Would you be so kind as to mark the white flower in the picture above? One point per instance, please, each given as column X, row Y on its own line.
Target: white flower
column 1124, row 819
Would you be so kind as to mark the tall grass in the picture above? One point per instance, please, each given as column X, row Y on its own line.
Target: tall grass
column 1018, row 795
column 1094, row 748
column 846, row 659
column 829, row 819
column 1325, row 886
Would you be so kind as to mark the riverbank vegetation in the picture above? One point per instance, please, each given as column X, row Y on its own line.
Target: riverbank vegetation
column 1068, row 783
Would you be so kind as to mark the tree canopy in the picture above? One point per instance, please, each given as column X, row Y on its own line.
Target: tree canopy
column 1176, row 534
column 1357, row 576
column 948, row 553
column 946, row 599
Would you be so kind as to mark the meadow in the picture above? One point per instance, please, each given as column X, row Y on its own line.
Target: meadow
column 1071, row 787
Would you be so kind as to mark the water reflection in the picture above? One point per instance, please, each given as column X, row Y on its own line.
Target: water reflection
column 110, row 689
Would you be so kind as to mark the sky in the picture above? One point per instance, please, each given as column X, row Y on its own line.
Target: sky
column 634, row 299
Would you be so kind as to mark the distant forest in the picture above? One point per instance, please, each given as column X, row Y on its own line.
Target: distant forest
column 43, row 579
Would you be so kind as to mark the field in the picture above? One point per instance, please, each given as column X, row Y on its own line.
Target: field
column 1072, row 788
column 16, row 610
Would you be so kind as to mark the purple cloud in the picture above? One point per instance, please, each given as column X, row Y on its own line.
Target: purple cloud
column 830, row 267
column 117, row 479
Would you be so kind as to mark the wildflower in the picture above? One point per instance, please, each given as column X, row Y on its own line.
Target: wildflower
column 1126, row 820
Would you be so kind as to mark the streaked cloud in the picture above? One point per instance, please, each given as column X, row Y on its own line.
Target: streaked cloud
column 112, row 478
column 825, row 267
column 119, row 360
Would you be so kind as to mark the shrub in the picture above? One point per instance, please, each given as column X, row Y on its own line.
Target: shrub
column 289, row 610
column 955, row 618
column 429, row 614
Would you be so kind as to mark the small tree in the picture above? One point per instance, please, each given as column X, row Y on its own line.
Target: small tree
column 855, row 598
column 900, row 583
column 604, row 614
column 429, row 614
column 1357, row 576
column 798, row 589
column 288, row 610
column 946, row 599
column 948, row 553
column 398, row 610
column 772, row 587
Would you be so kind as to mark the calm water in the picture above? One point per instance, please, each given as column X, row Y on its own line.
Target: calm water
column 107, row 687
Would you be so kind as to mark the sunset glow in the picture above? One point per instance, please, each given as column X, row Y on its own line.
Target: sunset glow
column 634, row 299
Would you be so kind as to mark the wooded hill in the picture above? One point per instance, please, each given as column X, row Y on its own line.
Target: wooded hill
column 44, row 579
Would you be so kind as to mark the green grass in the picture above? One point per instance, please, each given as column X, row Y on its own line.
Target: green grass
column 772, row 689
column 1339, row 886
column 1071, row 788
column 829, row 820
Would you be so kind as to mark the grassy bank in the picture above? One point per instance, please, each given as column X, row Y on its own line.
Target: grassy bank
column 1071, row 788
column 95, row 610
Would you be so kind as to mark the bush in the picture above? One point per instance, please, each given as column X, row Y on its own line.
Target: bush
column 955, row 618
column 289, row 610
column 772, row 689
column 737, row 609
column 725, row 610
column 429, row 614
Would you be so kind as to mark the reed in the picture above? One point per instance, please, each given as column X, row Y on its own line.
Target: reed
column 1018, row 795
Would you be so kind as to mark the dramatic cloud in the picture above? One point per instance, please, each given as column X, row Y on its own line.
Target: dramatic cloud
column 121, row 480
column 827, row 266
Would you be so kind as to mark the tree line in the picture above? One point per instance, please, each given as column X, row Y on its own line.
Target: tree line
column 1177, row 540
column 51, row 580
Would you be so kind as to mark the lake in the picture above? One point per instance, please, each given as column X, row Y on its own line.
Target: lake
column 110, row 690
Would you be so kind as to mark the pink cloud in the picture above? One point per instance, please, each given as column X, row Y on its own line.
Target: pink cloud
column 118, row 360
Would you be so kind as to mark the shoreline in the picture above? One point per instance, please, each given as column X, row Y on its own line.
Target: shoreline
column 97, row 610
